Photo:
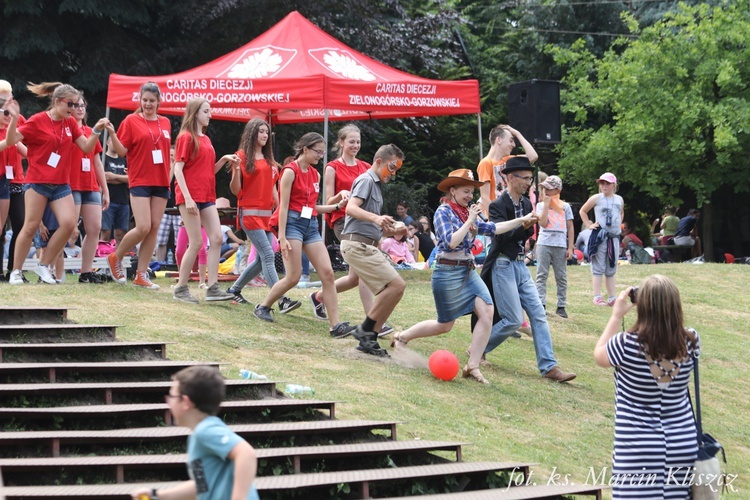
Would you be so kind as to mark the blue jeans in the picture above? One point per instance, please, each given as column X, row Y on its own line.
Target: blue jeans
column 515, row 292
column 264, row 260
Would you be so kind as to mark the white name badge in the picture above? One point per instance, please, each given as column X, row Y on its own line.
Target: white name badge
column 54, row 159
column 306, row 213
column 157, row 156
column 9, row 172
column 86, row 164
column 166, row 134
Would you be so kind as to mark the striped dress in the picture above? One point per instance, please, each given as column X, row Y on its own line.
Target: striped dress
column 655, row 437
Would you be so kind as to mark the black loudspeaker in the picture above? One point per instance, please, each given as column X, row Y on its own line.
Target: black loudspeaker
column 534, row 110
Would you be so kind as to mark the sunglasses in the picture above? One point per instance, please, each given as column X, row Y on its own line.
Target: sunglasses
column 70, row 104
column 6, row 112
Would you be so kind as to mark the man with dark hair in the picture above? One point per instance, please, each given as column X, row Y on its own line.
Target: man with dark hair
column 363, row 228
column 508, row 277
column 220, row 463
column 687, row 232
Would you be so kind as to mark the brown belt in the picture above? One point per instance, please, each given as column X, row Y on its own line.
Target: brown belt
column 450, row 262
column 360, row 239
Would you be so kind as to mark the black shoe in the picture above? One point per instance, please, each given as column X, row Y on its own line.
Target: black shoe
column 386, row 330
column 516, row 335
column 341, row 330
column 368, row 343
column 89, row 278
column 319, row 308
column 561, row 312
column 238, row 298
column 286, row 305
column 264, row 313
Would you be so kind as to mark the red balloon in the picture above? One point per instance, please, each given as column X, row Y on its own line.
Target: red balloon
column 578, row 254
column 444, row 364
column 477, row 247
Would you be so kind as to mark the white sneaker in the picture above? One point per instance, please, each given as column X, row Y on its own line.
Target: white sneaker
column 45, row 274
column 16, row 277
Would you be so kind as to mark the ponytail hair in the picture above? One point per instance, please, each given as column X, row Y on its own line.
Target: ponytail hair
column 351, row 128
column 53, row 90
column 307, row 141
column 148, row 87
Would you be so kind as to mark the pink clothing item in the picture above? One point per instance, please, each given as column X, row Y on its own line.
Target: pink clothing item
column 397, row 250
column 182, row 244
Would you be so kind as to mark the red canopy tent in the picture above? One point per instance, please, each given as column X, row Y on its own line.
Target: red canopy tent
column 295, row 72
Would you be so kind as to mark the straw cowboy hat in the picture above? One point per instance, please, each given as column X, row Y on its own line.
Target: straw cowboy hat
column 460, row 177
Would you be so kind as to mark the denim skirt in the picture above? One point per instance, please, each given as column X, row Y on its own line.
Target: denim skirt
column 455, row 292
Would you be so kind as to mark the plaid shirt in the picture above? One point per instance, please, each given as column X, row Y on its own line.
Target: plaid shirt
column 446, row 222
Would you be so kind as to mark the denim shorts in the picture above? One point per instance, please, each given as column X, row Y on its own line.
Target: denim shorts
column 52, row 192
column 455, row 292
column 117, row 216
column 4, row 189
column 304, row 230
column 87, row 197
column 205, row 204
column 150, row 191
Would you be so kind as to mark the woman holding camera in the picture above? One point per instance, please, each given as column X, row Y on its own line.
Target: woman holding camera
column 655, row 438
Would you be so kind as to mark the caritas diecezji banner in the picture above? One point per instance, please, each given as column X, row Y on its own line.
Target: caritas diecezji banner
column 293, row 73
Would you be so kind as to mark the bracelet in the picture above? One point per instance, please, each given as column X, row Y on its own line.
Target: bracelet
column 96, row 132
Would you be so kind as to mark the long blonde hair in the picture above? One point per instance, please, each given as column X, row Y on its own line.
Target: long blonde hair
column 190, row 122
column 53, row 90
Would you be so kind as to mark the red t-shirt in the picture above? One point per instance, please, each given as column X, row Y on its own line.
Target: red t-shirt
column 141, row 137
column 10, row 157
column 345, row 176
column 305, row 188
column 198, row 170
column 44, row 136
column 257, row 192
column 83, row 173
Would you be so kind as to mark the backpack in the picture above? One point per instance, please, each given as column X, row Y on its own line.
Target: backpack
column 639, row 255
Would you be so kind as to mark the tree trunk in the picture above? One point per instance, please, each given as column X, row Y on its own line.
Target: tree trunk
column 708, row 233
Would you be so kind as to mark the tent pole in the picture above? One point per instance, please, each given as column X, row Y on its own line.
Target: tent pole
column 479, row 131
column 325, row 162
column 104, row 137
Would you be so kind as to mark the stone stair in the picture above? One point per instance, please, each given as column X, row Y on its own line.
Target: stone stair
column 84, row 417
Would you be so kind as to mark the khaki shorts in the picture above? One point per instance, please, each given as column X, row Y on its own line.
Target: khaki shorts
column 369, row 263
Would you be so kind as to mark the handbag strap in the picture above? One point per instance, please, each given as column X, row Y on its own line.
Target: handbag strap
column 697, row 409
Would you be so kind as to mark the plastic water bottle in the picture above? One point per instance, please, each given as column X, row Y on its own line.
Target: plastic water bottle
column 298, row 390
column 170, row 257
column 250, row 375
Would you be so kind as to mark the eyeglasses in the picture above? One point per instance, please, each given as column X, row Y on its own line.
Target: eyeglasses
column 394, row 166
column 320, row 153
column 6, row 112
column 79, row 106
column 525, row 178
column 70, row 104
column 168, row 397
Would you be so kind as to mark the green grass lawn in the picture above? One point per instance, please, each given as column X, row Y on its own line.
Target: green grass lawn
column 565, row 428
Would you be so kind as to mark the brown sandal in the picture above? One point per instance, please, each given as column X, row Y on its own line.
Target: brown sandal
column 475, row 374
column 396, row 340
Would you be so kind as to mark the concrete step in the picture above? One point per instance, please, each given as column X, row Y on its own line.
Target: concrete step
column 43, row 333
column 105, row 417
column 23, row 315
column 129, row 468
column 82, row 351
column 65, row 442
column 87, row 372
column 68, row 394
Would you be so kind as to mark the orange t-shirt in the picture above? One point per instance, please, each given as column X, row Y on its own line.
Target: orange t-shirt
column 141, row 137
column 44, row 136
column 83, row 173
column 486, row 173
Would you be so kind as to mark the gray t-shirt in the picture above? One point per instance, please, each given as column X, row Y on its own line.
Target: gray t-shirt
column 366, row 187
column 555, row 233
column 607, row 212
